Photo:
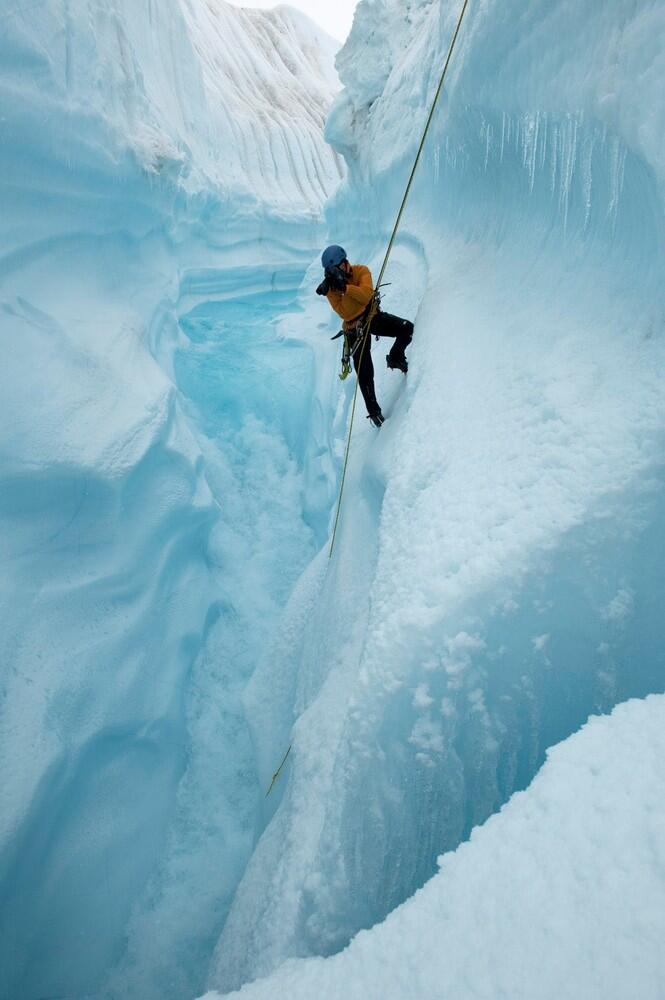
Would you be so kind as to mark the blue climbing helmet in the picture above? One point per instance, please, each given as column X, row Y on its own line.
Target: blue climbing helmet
column 333, row 256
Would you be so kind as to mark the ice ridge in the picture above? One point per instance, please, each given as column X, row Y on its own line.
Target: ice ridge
column 162, row 171
column 528, row 906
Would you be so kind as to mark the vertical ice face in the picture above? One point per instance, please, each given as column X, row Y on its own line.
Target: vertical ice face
column 498, row 572
column 527, row 907
column 269, row 77
column 153, row 155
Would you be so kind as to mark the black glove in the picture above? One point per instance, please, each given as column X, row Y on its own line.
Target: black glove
column 336, row 279
column 323, row 288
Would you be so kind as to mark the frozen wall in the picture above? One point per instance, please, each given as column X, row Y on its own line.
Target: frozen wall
column 529, row 906
column 498, row 573
column 153, row 156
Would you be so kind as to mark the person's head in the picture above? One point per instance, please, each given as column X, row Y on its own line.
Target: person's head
column 334, row 256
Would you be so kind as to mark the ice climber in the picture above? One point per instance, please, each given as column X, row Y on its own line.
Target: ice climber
column 350, row 291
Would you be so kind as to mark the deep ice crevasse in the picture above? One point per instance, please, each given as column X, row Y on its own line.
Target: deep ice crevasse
column 140, row 570
column 497, row 578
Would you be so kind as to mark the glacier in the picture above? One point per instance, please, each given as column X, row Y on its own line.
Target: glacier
column 555, row 897
column 162, row 172
column 172, row 440
column 497, row 577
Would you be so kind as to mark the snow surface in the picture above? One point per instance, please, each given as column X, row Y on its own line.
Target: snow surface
column 498, row 572
column 560, row 895
column 154, row 158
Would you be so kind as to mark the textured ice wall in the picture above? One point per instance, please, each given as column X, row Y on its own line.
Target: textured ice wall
column 151, row 156
column 498, row 572
column 527, row 908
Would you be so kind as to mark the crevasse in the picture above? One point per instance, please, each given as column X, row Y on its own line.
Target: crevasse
column 498, row 573
column 162, row 170
column 172, row 433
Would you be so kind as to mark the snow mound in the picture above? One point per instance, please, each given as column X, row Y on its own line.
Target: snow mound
column 560, row 895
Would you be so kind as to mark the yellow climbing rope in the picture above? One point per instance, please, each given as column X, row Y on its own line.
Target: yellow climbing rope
column 374, row 304
column 279, row 770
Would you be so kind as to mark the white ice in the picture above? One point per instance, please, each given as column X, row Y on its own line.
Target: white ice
column 560, row 895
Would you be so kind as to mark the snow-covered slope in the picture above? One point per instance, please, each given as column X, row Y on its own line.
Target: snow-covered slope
column 151, row 155
column 498, row 575
column 561, row 895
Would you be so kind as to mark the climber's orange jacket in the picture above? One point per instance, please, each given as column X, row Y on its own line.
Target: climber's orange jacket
column 352, row 303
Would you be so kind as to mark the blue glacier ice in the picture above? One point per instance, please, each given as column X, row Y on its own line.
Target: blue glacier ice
column 498, row 574
column 172, row 440
column 560, row 895
column 161, row 183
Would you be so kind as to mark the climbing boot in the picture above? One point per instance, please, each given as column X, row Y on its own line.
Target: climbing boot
column 376, row 417
column 398, row 362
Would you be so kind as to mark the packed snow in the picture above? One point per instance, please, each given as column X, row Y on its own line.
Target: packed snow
column 560, row 895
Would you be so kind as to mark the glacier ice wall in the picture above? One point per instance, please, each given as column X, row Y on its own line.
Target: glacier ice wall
column 498, row 573
column 528, row 906
column 162, row 168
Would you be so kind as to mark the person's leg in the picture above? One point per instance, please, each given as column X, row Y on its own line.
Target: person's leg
column 387, row 325
column 362, row 362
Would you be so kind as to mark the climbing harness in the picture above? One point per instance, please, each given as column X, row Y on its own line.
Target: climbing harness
column 347, row 353
column 346, row 362
column 377, row 295
column 374, row 304
column 351, row 350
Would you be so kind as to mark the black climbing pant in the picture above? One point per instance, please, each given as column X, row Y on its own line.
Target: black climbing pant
column 383, row 325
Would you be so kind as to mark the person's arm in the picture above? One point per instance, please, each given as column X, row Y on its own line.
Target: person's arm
column 363, row 292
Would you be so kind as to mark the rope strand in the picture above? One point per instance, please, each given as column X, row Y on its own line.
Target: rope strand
column 391, row 243
column 374, row 305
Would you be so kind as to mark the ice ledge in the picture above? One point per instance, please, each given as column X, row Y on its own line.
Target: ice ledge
column 559, row 895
